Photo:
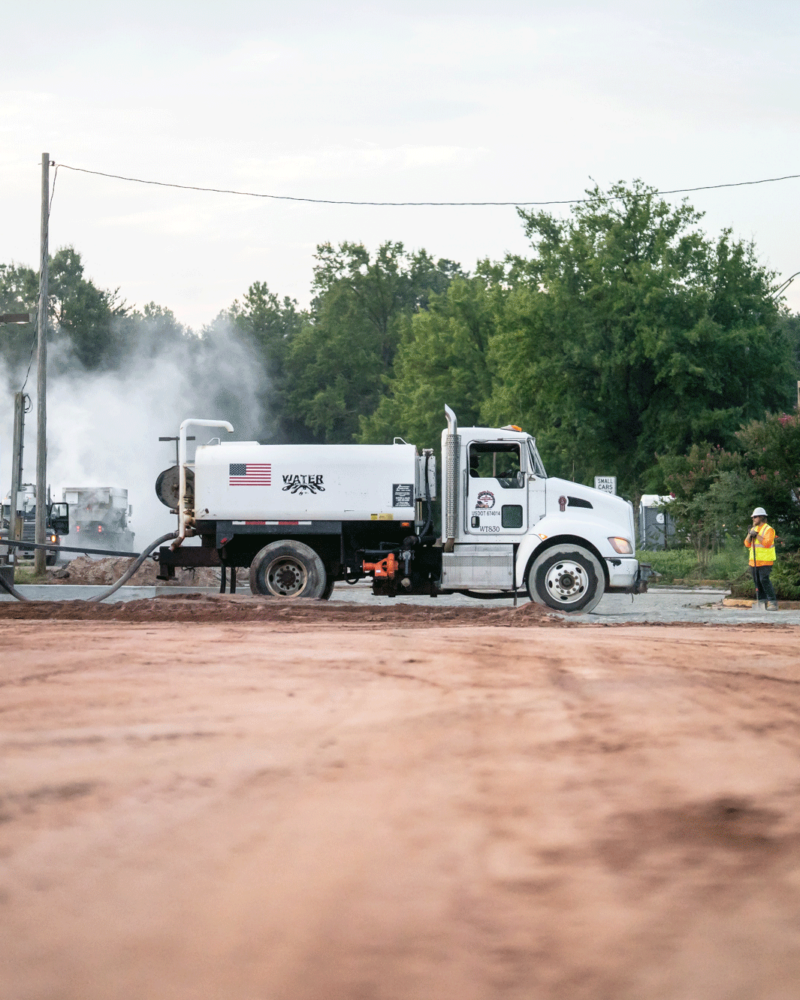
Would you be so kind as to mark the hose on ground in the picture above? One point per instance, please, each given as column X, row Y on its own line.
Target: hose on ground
column 133, row 567
column 9, row 588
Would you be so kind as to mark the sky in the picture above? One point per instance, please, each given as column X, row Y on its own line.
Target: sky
column 509, row 101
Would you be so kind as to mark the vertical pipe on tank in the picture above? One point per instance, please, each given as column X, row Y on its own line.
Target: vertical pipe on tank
column 452, row 479
column 183, row 500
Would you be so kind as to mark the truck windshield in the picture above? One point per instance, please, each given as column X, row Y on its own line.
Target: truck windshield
column 537, row 466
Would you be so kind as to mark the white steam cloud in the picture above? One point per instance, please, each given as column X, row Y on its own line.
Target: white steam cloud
column 103, row 427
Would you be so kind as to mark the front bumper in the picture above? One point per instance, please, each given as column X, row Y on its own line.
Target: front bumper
column 623, row 575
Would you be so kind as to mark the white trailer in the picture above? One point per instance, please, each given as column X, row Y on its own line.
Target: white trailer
column 303, row 517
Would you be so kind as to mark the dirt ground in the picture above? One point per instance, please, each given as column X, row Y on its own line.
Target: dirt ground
column 326, row 806
column 85, row 570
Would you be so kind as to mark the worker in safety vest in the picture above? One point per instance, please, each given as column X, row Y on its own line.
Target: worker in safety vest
column 760, row 540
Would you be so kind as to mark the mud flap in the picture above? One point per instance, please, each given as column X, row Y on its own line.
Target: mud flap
column 643, row 577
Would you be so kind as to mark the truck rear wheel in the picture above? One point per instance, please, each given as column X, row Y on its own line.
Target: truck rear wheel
column 567, row 578
column 288, row 569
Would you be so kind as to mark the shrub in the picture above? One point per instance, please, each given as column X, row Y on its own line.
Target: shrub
column 673, row 564
column 682, row 564
column 785, row 578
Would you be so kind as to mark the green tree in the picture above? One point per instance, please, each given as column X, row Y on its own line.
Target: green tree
column 270, row 325
column 84, row 315
column 791, row 328
column 19, row 291
column 716, row 490
column 705, row 485
column 629, row 332
column 771, row 473
column 336, row 365
column 83, row 319
column 442, row 359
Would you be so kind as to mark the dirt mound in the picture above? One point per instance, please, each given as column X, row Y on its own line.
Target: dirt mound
column 104, row 572
column 291, row 614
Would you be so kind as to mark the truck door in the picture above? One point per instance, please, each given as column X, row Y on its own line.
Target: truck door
column 496, row 498
column 537, row 500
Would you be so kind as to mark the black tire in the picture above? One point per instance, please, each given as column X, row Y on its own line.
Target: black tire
column 287, row 569
column 326, row 593
column 567, row 578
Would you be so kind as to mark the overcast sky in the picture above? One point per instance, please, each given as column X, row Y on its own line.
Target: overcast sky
column 412, row 101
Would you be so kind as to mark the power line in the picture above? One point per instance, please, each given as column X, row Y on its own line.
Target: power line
column 407, row 204
column 30, row 359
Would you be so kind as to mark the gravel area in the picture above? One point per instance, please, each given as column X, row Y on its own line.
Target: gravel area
column 659, row 605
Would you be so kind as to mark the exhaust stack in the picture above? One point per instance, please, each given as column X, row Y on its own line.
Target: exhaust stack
column 452, row 479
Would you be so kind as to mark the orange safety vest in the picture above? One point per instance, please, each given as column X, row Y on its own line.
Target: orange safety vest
column 764, row 548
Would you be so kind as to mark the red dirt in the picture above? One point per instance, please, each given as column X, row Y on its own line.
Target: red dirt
column 328, row 803
column 297, row 614
column 104, row 572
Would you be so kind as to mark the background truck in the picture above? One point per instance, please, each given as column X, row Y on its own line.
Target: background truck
column 99, row 517
column 56, row 524
column 302, row 517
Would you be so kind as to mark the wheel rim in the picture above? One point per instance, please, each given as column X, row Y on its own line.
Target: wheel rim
column 566, row 581
column 286, row 578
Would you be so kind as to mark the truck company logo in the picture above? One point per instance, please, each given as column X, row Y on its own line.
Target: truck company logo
column 249, row 474
column 303, row 484
column 485, row 500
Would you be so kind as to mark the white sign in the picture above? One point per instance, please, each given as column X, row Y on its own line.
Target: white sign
column 608, row 484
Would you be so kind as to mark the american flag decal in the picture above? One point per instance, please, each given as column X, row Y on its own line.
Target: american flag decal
column 250, row 474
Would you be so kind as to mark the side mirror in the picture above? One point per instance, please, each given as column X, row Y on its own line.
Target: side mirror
column 59, row 518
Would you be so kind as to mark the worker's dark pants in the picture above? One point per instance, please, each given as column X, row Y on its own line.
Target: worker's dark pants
column 764, row 589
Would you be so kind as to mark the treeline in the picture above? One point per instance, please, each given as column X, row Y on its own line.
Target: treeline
column 624, row 338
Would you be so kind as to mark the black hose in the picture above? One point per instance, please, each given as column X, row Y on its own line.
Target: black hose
column 132, row 568
column 9, row 588
column 429, row 522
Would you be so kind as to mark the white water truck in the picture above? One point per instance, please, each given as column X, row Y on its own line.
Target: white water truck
column 302, row 517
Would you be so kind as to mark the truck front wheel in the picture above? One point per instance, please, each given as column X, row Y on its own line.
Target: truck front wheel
column 288, row 569
column 567, row 578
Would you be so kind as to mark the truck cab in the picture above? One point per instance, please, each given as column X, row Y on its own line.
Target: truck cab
column 56, row 523
column 510, row 526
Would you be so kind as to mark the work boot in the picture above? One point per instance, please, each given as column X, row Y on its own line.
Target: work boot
column 772, row 606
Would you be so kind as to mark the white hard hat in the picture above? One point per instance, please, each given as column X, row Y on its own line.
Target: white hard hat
column 759, row 512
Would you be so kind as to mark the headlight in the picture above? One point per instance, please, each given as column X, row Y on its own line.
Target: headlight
column 621, row 545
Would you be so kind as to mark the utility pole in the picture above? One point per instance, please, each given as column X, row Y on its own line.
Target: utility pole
column 14, row 529
column 15, row 526
column 40, row 556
